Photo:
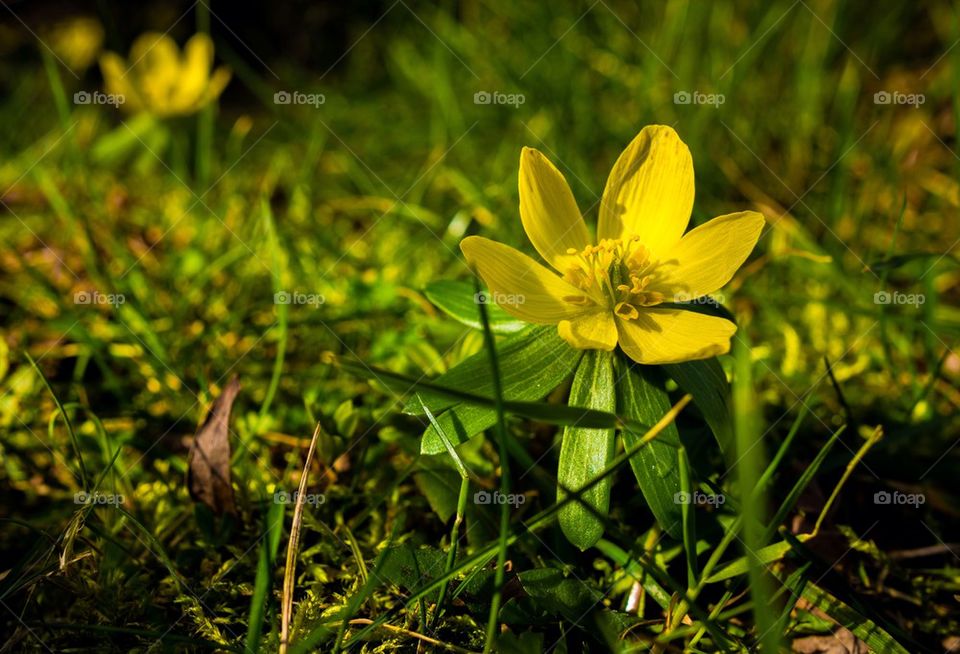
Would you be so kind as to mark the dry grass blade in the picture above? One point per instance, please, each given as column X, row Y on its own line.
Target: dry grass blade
column 293, row 546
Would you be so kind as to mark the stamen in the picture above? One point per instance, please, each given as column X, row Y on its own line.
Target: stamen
column 626, row 311
column 598, row 270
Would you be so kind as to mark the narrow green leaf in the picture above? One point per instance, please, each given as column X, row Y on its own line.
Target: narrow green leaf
column 741, row 566
column 586, row 452
column 749, row 466
column 458, row 300
column 654, row 466
column 533, row 364
column 459, row 424
column 264, row 579
column 541, row 411
column 862, row 627
column 707, row 383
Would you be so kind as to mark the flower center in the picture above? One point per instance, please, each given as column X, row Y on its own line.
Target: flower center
column 619, row 270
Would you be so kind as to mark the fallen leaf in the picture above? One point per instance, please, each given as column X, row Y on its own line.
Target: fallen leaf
column 208, row 477
column 842, row 641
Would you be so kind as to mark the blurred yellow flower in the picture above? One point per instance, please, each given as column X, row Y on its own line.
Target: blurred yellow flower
column 610, row 293
column 160, row 80
column 77, row 41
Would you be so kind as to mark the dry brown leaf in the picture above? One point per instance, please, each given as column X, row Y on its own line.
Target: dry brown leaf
column 842, row 641
column 208, row 477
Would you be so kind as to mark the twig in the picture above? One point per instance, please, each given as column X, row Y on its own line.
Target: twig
column 413, row 634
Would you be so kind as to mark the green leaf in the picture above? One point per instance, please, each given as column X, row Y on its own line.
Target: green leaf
column 410, row 567
column 586, row 452
column 557, row 594
column 654, row 466
column 459, row 424
column 741, row 566
column 862, row 627
column 552, row 414
column 548, row 590
column 346, row 419
column 457, row 300
column 532, row 364
column 440, row 484
column 264, row 579
column 529, row 642
column 707, row 383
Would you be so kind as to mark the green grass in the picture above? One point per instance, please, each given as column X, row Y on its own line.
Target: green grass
column 199, row 221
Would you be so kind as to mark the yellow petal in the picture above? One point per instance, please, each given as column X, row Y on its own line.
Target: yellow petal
column 194, row 72
column 113, row 67
column 155, row 63
column 548, row 211
column 218, row 81
column 707, row 257
column 650, row 190
column 521, row 286
column 595, row 331
column 673, row 335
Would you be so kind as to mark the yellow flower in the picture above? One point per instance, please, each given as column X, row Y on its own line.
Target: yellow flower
column 77, row 41
column 612, row 291
column 160, row 80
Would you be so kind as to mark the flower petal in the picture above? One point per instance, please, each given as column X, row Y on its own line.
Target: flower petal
column 594, row 331
column 707, row 257
column 194, row 73
column 650, row 190
column 548, row 210
column 218, row 81
column 673, row 335
column 113, row 68
column 155, row 61
column 521, row 286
